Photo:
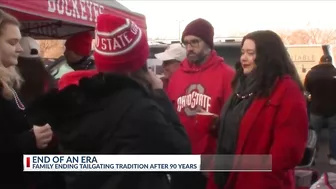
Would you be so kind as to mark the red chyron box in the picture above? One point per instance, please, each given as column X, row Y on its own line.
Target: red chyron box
column 28, row 162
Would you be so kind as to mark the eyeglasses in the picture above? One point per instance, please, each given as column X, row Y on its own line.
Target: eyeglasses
column 193, row 43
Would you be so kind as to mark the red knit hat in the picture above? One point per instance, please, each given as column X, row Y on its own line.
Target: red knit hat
column 72, row 78
column 200, row 28
column 121, row 46
column 80, row 43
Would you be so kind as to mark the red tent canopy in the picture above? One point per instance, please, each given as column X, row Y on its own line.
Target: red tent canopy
column 58, row 19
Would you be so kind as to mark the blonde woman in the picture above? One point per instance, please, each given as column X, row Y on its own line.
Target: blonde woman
column 17, row 136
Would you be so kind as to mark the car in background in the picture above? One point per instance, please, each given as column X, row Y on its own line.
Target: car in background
column 228, row 49
column 58, row 67
column 303, row 56
column 48, row 61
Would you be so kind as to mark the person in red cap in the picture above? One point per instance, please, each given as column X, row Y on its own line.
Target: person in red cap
column 201, row 84
column 78, row 50
column 122, row 109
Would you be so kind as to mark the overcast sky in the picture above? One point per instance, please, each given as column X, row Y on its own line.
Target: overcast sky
column 228, row 17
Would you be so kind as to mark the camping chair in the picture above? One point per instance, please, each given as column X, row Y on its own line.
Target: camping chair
column 310, row 152
column 304, row 174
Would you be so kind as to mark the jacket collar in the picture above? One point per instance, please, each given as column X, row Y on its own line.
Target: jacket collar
column 78, row 99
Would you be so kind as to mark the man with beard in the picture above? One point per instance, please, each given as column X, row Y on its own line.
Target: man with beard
column 77, row 51
column 201, row 84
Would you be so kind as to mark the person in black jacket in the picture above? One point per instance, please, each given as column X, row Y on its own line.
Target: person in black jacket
column 120, row 110
column 320, row 83
column 17, row 136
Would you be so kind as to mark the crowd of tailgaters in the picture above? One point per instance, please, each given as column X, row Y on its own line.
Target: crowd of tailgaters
column 115, row 105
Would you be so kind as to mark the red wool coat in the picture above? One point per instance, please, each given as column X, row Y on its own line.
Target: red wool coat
column 277, row 125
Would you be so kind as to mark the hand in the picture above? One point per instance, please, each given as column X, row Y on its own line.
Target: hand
column 214, row 127
column 43, row 135
column 154, row 80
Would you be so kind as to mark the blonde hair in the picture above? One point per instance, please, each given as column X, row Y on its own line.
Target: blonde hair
column 9, row 76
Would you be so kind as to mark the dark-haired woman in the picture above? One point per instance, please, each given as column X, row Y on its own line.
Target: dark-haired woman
column 266, row 115
column 120, row 110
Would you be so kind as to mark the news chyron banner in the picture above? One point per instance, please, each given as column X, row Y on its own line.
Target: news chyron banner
column 147, row 163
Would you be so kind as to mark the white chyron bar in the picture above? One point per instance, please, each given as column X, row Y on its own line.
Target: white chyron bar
column 113, row 163
column 148, row 163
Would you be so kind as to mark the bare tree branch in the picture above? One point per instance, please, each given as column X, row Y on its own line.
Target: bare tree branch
column 310, row 36
column 52, row 48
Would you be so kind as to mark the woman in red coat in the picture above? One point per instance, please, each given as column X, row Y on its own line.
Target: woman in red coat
column 266, row 115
